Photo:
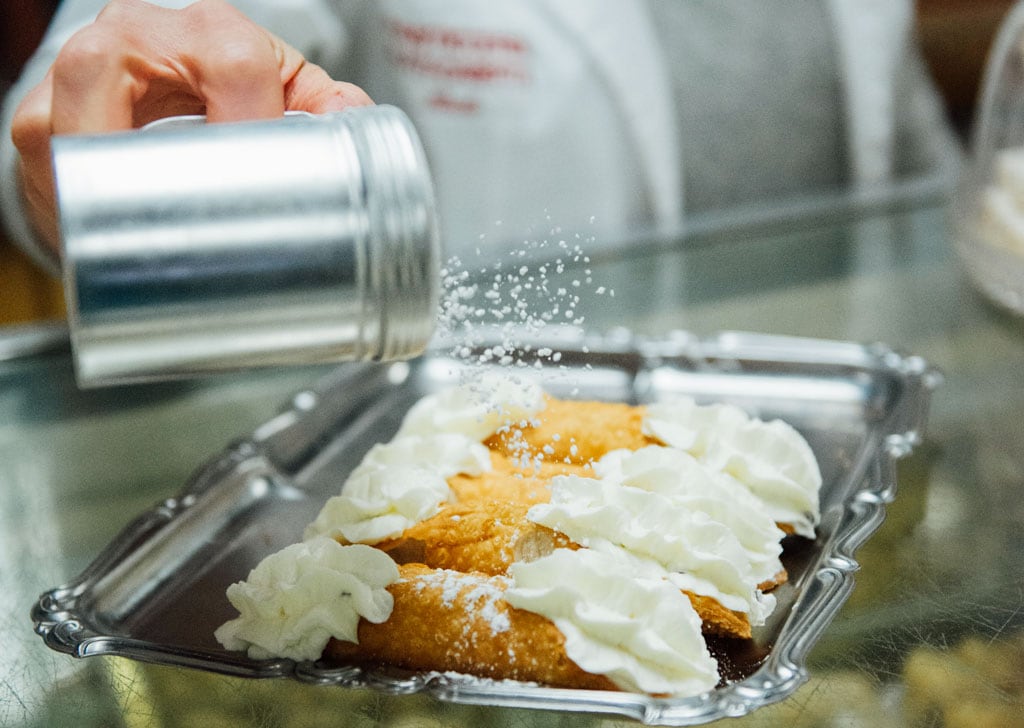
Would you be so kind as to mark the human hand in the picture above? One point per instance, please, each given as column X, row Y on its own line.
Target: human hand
column 139, row 62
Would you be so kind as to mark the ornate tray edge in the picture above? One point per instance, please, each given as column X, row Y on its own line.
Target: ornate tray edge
column 828, row 585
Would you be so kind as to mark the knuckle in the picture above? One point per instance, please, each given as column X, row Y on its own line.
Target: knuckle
column 114, row 7
column 240, row 60
column 205, row 13
column 88, row 50
column 222, row 32
column 29, row 132
column 116, row 12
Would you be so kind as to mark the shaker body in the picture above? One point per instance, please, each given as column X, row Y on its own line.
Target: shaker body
column 193, row 248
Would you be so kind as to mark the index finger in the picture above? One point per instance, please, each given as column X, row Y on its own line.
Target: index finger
column 208, row 50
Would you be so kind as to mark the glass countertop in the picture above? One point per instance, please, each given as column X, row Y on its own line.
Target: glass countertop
column 932, row 635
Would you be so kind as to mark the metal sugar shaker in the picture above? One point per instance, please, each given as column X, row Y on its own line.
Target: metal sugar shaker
column 192, row 248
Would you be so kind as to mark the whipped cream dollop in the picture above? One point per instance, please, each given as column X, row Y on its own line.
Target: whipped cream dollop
column 1001, row 219
column 770, row 458
column 685, row 481
column 378, row 504
column 297, row 599
column 477, row 408
column 639, row 631
column 446, row 454
column 704, row 555
column 397, row 485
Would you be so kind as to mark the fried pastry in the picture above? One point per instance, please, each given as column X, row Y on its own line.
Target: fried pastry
column 474, row 538
column 573, row 432
column 574, row 544
column 488, row 540
column 460, row 622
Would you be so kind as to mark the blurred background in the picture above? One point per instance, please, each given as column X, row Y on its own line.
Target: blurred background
column 26, row 293
column 931, row 638
column 954, row 36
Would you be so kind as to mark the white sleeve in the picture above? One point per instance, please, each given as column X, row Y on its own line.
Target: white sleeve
column 311, row 26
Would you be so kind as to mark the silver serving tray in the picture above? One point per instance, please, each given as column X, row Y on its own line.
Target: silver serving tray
column 156, row 593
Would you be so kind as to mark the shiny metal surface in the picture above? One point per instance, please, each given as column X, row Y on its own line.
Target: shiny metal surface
column 194, row 248
column 860, row 409
column 931, row 636
column 32, row 339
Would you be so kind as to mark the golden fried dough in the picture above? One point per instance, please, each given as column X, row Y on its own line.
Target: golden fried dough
column 512, row 481
column 488, row 538
column 456, row 621
column 719, row 620
column 573, row 432
column 475, row 537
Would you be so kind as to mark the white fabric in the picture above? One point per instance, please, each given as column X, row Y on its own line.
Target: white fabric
column 544, row 93
column 547, row 115
column 872, row 37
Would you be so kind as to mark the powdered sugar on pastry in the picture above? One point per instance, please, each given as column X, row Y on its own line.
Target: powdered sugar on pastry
column 477, row 408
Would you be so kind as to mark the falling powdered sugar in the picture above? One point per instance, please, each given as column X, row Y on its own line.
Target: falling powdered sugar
column 494, row 313
column 507, row 314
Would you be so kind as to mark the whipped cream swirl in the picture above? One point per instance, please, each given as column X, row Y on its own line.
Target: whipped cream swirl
column 771, row 459
column 297, row 599
column 446, row 454
column 380, row 504
column 639, row 631
column 397, row 485
column 476, row 409
column 403, row 482
column 682, row 479
column 704, row 555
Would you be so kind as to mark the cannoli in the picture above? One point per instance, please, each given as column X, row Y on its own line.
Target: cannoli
column 471, row 538
column 573, row 544
column 572, row 432
column 447, row 620
column 475, row 538
column 636, row 634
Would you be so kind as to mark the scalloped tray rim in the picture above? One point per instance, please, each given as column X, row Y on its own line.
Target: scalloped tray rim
column 784, row 670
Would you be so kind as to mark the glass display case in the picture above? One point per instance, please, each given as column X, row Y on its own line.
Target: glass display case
column 932, row 633
column 990, row 199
